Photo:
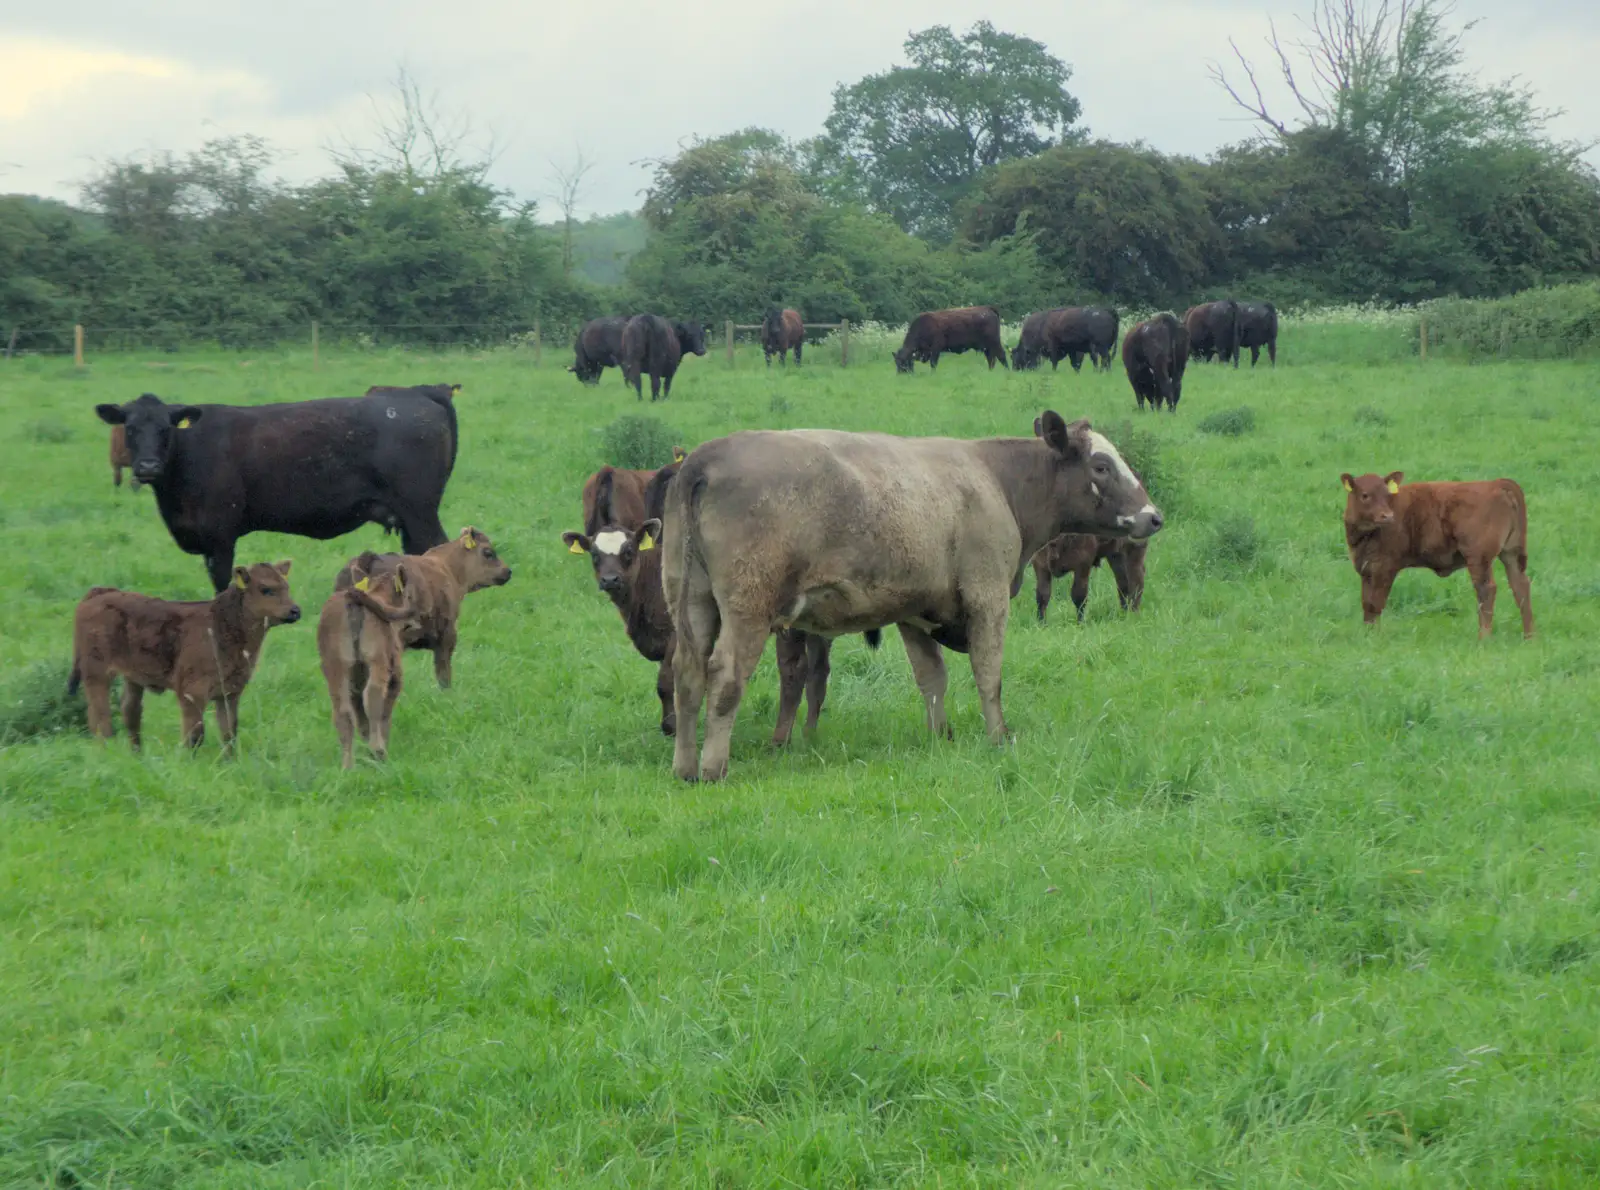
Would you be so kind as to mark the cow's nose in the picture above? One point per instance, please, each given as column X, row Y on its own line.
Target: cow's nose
column 146, row 468
column 294, row 613
column 1156, row 520
column 610, row 584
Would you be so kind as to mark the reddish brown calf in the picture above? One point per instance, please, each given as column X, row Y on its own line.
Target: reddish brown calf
column 120, row 457
column 614, row 496
column 202, row 652
column 1443, row 527
column 1079, row 554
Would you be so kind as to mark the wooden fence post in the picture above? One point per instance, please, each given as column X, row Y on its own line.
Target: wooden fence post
column 11, row 347
column 316, row 358
column 1505, row 339
column 1422, row 339
column 844, row 342
column 728, row 331
column 77, row 345
column 538, row 344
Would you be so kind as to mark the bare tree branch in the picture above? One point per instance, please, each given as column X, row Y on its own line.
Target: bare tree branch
column 568, row 193
column 418, row 136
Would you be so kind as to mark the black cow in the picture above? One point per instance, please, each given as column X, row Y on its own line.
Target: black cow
column 597, row 347
column 1155, row 353
column 1258, row 328
column 1214, row 330
column 313, row 468
column 652, row 344
column 1067, row 332
column 968, row 328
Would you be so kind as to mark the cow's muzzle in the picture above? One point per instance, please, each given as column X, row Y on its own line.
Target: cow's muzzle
column 147, row 470
column 1147, row 522
column 293, row 615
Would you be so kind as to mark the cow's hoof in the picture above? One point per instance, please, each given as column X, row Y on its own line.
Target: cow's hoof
column 669, row 727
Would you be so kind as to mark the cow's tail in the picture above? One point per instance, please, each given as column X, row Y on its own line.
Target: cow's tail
column 685, row 496
column 75, row 678
column 447, row 403
column 873, row 637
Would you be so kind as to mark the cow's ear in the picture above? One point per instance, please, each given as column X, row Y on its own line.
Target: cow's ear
column 1054, row 431
column 241, row 577
column 1393, row 480
column 183, row 416
column 283, row 567
column 649, row 533
column 1038, row 427
column 112, row 415
column 577, row 543
column 1349, row 481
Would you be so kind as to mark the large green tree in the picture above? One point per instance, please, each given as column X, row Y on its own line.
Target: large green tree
column 913, row 141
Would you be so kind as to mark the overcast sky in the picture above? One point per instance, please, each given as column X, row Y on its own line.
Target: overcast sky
column 628, row 80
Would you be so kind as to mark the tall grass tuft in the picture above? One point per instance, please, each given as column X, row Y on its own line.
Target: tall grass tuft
column 35, row 703
column 1230, row 423
column 638, row 442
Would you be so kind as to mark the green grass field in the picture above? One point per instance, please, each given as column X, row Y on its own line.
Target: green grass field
column 1259, row 897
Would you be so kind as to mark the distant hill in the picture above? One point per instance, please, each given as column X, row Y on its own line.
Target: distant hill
column 603, row 244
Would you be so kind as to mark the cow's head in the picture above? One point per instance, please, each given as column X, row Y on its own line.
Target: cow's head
column 149, row 426
column 1369, row 504
column 586, row 370
column 905, row 360
column 476, row 563
column 1023, row 357
column 266, row 593
column 616, row 554
column 691, row 336
column 1093, row 487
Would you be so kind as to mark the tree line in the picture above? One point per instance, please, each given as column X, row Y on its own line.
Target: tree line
column 962, row 176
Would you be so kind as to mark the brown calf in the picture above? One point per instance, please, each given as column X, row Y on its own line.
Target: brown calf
column 203, row 652
column 1080, row 553
column 781, row 332
column 120, row 458
column 622, row 491
column 1443, row 527
column 436, row 582
column 359, row 640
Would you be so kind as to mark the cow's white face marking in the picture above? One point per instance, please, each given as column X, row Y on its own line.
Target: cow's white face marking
column 1126, row 522
column 1102, row 445
column 611, row 541
column 1094, row 490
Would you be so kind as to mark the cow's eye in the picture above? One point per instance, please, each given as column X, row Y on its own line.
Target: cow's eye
column 269, row 592
column 488, row 553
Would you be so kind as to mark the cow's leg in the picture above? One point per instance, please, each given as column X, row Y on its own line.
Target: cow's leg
column 1128, row 570
column 733, row 660
column 378, row 697
column 655, row 386
column 986, row 639
column 420, row 529
column 1482, row 571
column 219, row 566
column 1043, row 583
column 927, row 666
column 933, row 361
column 792, row 664
column 1080, row 587
column 227, row 709
column 767, row 351
column 132, row 712
column 664, row 686
column 357, row 682
column 341, row 695
column 818, row 666
column 1272, row 351
column 689, row 662
column 1375, row 593
column 666, row 390
column 97, row 693
column 797, row 347
column 443, row 654
column 1516, row 564
column 1255, row 354
column 192, row 712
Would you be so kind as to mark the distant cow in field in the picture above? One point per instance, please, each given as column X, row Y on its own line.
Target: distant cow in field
column 652, row 344
column 597, row 347
column 928, row 534
column 1214, row 330
column 1441, row 527
column 202, row 652
column 970, row 328
column 120, row 458
column 781, row 331
column 1155, row 353
column 437, row 582
column 1078, row 554
column 620, row 490
column 313, row 468
column 1069, row 332
column 1258, row 328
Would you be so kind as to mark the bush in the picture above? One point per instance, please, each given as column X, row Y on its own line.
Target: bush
column 1142, row 450
column 638, row 442
column 35, row 703
column 1232, row 423
column 1561, row 321
column 1370, row 415
column 50, row 430
column 1234, row 544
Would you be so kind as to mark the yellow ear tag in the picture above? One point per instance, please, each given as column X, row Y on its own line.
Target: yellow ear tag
column 399, row 584
column 238, row 581
column 184, row 424
column 1393, row 487
column 678, row 456
column 470, row 542
column 363, row 584
column 575, row 548
column 646, row 543
column 1348, row 486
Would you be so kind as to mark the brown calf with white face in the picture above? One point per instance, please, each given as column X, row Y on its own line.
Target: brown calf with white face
column 1078, row 554
column 615, row 495
column 1390, row 526
column 203, row 652
column 833, row 532
column 436, row 583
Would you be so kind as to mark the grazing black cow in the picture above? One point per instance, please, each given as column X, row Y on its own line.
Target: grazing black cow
column 1258, row 328
column 313, row 468
column 652, row 344
column 1214, row 330
column 597, row 347
column 1155, row 354
column 782, row 330
column 1067, row 332
column 970, row 328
